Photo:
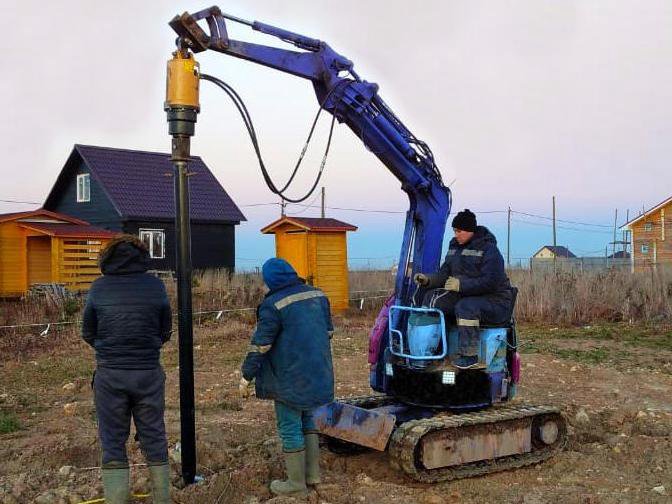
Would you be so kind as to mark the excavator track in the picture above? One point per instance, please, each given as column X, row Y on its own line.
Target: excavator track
column 410, row 438
column 407, row 439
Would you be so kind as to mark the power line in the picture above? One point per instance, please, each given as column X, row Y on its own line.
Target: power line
column 561, row 227
column 561, row 220
column 18, row 201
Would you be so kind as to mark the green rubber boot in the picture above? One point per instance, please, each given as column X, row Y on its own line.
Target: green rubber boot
column 312, row 459
column 159, row 475
column 115, row 483
column 295, row 484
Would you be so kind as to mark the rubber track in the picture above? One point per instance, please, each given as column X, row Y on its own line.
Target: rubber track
column 406, row 438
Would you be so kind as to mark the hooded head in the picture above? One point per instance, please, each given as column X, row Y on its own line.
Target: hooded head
column 278, row 273
column 124, row 254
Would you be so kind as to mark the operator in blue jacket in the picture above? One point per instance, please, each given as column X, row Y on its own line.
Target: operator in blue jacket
column 290, row 360
column 127, row 319
column 471, row 287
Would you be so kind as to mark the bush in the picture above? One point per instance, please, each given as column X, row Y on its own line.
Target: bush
column 8, row 423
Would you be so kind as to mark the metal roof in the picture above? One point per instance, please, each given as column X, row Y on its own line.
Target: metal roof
column 139, row 184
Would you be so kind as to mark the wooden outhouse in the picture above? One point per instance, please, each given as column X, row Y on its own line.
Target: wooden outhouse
column 317, row 249
column 39, row 247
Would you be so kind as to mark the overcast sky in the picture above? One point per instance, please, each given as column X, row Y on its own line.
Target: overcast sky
column 519, row 100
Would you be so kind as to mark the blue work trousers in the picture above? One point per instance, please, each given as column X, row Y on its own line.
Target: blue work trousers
column 469, row 313
column 292, row 425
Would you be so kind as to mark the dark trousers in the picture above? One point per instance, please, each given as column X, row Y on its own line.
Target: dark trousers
column 468, row 313
column 124, row 393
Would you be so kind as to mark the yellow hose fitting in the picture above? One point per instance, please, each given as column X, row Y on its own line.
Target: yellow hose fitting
column 182, row 81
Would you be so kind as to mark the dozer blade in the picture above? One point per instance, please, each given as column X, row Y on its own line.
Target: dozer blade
column 359, row 426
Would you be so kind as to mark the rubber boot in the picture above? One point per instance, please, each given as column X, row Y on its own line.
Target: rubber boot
column 295, row 484
column 115, row 485
column 312, row 458
column 159, row 475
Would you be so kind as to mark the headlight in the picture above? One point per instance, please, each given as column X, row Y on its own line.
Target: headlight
column 448, row 378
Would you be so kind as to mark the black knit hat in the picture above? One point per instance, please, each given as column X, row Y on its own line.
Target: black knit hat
column 465, row 220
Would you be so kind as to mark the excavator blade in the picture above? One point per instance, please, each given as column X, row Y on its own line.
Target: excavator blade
column 359, row 426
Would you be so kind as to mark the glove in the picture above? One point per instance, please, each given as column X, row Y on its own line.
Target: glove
column 452, row 284
column 421, row 279
column 244, row 388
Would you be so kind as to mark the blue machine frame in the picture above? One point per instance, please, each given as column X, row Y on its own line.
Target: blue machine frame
column 395, row 323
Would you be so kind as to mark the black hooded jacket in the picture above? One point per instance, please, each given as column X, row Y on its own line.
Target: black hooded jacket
column 478, row 265
column 127, row 317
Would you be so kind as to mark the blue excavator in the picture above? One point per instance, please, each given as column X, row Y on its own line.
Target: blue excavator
column 437, row 421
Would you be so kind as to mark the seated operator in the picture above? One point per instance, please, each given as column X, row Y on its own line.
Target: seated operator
column 471, row 286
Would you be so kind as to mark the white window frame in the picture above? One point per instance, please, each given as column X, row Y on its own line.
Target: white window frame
column 645, row 249
column 83, row 188
column 648, row 227
column 151, row 233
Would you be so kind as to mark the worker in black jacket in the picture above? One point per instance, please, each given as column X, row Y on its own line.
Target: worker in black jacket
column 126, row 320
column 471, row 287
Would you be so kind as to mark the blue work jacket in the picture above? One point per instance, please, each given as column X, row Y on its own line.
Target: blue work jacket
column 290, row 352
column 478, row 265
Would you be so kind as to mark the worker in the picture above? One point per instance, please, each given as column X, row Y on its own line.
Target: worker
column 127, row 319
column 290, row 360
column 471, row 287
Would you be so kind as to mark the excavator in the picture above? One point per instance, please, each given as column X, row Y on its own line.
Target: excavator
column 437, row 421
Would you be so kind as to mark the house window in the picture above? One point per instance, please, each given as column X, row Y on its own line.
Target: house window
column 155, row 239
column 645, row 249
column 83, row 188
column 648, row 226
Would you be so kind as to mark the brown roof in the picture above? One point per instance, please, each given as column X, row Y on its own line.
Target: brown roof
column 68, row 230
column 40, row 212
column 311, row 224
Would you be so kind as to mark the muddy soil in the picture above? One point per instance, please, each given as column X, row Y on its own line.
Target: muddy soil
column 614, row 384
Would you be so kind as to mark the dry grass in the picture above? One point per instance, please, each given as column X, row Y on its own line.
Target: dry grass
column 567, row 298
column 562, row 298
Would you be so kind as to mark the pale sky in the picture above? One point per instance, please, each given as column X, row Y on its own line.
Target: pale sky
column 519, row 100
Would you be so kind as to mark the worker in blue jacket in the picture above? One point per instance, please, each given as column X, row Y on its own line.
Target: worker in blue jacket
column 471, row 287
column 127, row 319
column 290, row 360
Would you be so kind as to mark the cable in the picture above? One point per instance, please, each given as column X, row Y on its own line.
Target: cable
column 22, row 202
column 247, row 119
column 561, row 220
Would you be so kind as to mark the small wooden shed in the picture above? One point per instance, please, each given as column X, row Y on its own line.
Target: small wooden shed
column 317, row 249
column 40, row 246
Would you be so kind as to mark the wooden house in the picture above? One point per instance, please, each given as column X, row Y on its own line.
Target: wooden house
column 553, row 252
column 650, row 236
column 317, row 249
column 132, row 192
column 45, row 247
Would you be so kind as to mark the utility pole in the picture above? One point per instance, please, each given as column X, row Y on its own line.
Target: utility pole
column 613, row 248
column 508, row 241
column 625, row 233
column 555, row 250
column 323, row 212
column 283, row 205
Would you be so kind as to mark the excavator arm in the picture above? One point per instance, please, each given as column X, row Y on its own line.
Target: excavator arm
column 355, row 102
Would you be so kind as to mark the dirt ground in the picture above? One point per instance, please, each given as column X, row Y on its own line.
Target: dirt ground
column 614, row 383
